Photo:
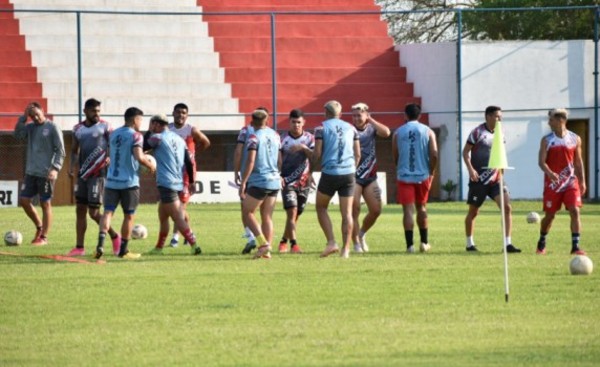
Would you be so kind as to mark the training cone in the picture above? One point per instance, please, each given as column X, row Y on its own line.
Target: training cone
column 498, row 154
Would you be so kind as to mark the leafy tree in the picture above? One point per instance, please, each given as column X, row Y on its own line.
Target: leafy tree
column 426, row 21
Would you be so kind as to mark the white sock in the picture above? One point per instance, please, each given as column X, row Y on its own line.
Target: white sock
column 470, row 241
column 508, row 241
column 176, row 236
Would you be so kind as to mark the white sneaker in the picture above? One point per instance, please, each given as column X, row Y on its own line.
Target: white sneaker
column 358, row 247
column 410, row 250
column 424, row 247
column 363, row 244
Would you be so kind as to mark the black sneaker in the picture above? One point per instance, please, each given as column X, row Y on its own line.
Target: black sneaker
column 512, row 249
column 472, row 248
column 99, row 252
column 248, row 248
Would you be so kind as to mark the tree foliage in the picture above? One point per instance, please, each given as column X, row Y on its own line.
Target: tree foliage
column 418, row 21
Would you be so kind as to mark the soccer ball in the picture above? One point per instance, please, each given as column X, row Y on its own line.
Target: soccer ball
column 143, row 169
column 581, row 265
column 533, row 217
column 139, row 232
column 13, row 238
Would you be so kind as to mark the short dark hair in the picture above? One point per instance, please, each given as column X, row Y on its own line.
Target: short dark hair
column 412, row 111
column 181, row 105
column 91, row 103
column 36, row 105
column 132, row 112
column 492, row 109
column 296, row 113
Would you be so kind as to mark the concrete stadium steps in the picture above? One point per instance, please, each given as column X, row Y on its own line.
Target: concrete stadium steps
column 320, row 56
column 18, row 78
column 150, row 61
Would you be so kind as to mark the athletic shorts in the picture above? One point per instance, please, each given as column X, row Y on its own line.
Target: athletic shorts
column 260, row 194
column 478, row 192
column 570, row 198
column 168, row 196
column 184, row 195
column 34, row 185
column 89, row 192
column 364, row 182
column 128, row 198
column 413, row 193
column 342, row 184
column 295, row 198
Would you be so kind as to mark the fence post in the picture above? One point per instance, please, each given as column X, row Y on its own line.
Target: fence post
column 79, row 78
column 596, row 20
column 459, row 98
column 274, row 71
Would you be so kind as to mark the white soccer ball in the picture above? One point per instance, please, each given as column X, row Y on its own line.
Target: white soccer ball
column 581, row 265
column 143, row 169
column 533, row 217
column 13, row 238
column 139, row 232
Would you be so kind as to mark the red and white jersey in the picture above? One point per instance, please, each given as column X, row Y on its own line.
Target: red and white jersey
column 560, row 155
column 185, row 132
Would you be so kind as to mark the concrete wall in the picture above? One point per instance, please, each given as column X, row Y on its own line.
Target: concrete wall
column 525, row 78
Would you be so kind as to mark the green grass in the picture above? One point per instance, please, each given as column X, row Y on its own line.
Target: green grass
column 384, row 308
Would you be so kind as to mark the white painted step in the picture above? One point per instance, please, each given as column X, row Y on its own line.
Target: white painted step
column 100, row 43
column 126, row 89
column 173, row 74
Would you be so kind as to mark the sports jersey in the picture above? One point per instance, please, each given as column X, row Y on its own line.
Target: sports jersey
column 93, row 148
column 367, row 167
column 185, row 132
column 412, row 141
column 169, row 151
column 295, row 167
column 338, row 138
column 481, row 138
column 243, row 136
column 265, row 174
column 45, row 147
column 560, row 154
column 123, row 169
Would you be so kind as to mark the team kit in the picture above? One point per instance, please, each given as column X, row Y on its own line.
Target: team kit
column 107, row 162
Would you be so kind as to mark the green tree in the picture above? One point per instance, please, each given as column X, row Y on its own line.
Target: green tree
column 563, row 24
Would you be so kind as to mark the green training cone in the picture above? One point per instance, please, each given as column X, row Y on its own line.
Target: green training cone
column 498, row 155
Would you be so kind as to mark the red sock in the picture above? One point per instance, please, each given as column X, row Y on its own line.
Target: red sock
column 189, row 236
column 162, row 237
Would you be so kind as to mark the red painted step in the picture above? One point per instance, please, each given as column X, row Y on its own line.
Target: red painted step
column 320, row 56
column 18, row 78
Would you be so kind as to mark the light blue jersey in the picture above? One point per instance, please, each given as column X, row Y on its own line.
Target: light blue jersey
column 169, row 151
column 337, row 157
column 123, row 168
column 242, row 138
column 265, row 174
column 412, row 141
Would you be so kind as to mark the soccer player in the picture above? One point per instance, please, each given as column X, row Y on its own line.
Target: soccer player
column 484, row 182
column 564, row 178
column 172, row 157
column 193, row 138
column 90, row 153
column 296, row 148
column 122, row 180
column 239, row 165
column 366, row 174
column 261, row 181
column 415, row 153
column 337, row 146
column 45, row 157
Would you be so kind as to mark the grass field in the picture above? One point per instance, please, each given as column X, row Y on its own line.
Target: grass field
column 384, row 308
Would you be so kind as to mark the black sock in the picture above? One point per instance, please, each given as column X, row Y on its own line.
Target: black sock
column 542, row 241
column 575, row 241
column 283, row 240
column 293, row 242
column 101, row 238
column 124, row 249
column 423, row 233
column 408, row 236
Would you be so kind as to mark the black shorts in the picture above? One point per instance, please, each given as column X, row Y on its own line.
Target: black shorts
column 364, row 182
column 295, row 198
column 128, row 198
column 342, row 184
column 478, row 192
column 89, row 192
column 260, row 194
column 167, row 196
column 35, row 185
